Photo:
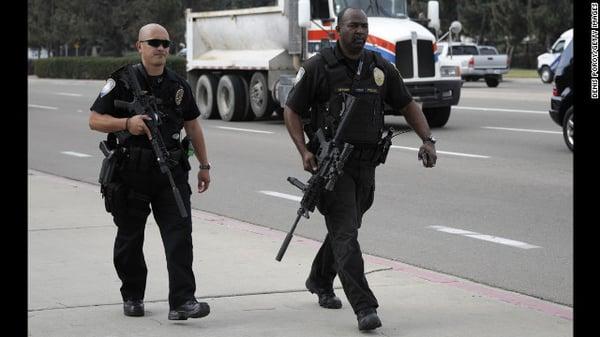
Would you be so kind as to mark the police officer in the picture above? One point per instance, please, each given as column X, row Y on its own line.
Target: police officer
column 139, row 183
column 317, row 95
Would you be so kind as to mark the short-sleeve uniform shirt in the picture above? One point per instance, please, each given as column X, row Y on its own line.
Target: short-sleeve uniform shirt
column 173, row 91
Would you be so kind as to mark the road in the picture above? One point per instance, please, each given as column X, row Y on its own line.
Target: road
column 497, row 208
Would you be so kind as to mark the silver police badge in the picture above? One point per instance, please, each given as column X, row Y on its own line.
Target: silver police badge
column 378, row 76
column 179, row 96
column 110, row 84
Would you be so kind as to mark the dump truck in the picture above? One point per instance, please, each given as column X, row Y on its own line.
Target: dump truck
column 243, row 56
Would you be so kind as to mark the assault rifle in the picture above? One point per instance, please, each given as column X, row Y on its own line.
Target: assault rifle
column 145, row 104
column 331, row 157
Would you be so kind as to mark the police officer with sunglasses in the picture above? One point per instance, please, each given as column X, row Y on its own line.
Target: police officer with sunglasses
column 318, row 97
column 138, row 183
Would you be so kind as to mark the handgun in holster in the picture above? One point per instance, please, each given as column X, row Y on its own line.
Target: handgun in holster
column 383, row 147
column 313, row 143
column 108, row 164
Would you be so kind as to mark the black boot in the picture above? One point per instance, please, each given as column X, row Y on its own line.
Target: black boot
column 327, row 298
column 133, row 308
column 368, row 319
column 191, row 308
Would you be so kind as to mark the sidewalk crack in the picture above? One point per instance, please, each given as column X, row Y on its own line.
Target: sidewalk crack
column 378, row 270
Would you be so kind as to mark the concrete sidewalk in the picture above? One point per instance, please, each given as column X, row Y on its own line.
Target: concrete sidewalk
column 73, row 288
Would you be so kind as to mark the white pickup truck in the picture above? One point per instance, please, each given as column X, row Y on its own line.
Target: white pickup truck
column 475, row 63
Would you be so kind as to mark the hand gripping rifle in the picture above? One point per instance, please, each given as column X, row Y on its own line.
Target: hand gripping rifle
column 145, row 104
column 331, row 157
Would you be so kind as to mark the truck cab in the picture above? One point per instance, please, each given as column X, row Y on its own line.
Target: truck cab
column 256, row 52
column 547, row 62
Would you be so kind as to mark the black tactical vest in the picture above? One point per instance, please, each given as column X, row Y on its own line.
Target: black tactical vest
column 366, row 123
column 169, row 102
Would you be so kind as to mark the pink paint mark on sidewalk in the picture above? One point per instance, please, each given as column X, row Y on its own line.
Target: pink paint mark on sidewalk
column 431, row 276
column 479, row 289
column 428, row 275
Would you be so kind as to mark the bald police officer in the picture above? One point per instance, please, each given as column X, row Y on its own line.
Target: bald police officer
column 139, row 183
column 318, row 96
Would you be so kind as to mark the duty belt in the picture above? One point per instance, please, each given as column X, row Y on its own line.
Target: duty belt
column 364, row 152
column 143, row 159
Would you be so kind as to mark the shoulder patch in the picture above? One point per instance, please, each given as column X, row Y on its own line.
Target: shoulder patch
column 110, row 84
column 299, row 75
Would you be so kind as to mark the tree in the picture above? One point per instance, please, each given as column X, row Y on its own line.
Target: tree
column 111, row 25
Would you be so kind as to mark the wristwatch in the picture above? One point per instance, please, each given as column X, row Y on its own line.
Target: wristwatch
column 205, row 167
column 430, row 139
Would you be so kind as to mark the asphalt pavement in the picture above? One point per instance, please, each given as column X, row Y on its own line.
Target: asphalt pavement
column 73, row 289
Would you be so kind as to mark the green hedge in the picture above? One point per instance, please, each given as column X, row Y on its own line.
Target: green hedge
column 93, row 67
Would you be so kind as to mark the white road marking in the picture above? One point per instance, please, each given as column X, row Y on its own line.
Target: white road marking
column 246, row 130
column 522, row 130
column 76, row 154
column 281, row 195
column 42, row 107
column 68, row 94
column 443, row 152
column 484, row 237
column 501, row 110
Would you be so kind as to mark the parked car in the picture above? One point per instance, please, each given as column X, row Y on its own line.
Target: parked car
column 487, row 50
column 474, row 64
column 182, row 52
column 547, row 62
column 561, row 102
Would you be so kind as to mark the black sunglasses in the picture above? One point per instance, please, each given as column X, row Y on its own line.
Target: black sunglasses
column 157, row 42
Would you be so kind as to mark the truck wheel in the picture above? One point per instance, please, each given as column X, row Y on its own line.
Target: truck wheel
column 437, row 117
column 546, row 75
column 206, row 96
column 248, row 114
column 260, row 100
column 231, row 98
column 492, row 82
column 568, row 128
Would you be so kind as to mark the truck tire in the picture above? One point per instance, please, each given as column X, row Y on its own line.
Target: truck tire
column 568, row 128
column 261, row 103
column 206, row 96
column 231, row 98
column 437, row 117
column 492, row 81
column 546, row 74
column 248, row 114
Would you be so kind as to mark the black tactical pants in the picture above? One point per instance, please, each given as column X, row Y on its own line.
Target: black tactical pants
column 340, row 252
column 147, row 189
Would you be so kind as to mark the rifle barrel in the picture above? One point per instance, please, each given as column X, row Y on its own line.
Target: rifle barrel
column 288, row 238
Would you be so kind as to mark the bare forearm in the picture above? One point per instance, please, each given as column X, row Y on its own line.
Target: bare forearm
column 416, row 119
column 106, row 123
column 293, row 123
column 194, row 131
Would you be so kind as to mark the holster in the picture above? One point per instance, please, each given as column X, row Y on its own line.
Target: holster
column 313, row 142
column 115, row 197
column 383, row 148
column 108, row 169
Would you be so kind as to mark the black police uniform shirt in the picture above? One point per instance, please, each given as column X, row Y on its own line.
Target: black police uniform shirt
column 174, row 92
column 311, row 83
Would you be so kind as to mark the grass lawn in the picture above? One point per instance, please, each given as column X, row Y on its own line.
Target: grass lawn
column 522, row 73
